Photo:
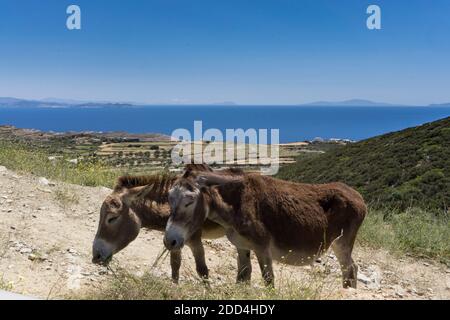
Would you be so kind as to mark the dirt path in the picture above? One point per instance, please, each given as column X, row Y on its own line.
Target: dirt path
column 46, row 232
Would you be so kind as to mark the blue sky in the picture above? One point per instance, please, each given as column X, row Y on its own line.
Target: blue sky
column 203, row 51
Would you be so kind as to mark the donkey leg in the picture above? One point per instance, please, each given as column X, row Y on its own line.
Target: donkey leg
column 175, row 264
column 244, row 266
column 343, row 248
column 265, row 263
column 199, row 256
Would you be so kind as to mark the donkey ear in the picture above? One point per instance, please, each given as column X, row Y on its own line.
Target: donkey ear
column 116, row 203
column 188, row 172
column 207, row 180
column 133, row 197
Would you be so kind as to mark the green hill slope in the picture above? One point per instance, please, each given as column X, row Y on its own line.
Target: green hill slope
column 399, row 169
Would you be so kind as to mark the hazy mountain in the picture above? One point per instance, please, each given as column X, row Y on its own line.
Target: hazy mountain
column 349, row 103
column 7, row 100
column 68, row 103
column 64, row 101
column 224, row 103
column 57, row 103
column 440, row 104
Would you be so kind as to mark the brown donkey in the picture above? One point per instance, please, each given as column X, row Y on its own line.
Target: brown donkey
column 128, row 209
column 290, row 222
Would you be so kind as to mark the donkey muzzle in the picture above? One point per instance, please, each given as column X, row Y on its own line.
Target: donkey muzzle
column 174, row 239
column 102, row 252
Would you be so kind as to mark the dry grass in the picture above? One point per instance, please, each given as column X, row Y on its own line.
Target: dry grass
column 4, row 285
column 126, row 286
column 86, row 173
column 414, row 231
column 66, row 197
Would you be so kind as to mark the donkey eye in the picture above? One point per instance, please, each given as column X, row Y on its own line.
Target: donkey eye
column 188, row 204
column 111, row 220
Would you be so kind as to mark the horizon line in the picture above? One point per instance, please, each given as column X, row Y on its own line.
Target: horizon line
column 366, row 102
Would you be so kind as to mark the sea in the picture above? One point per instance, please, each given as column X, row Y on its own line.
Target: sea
column 295, row 123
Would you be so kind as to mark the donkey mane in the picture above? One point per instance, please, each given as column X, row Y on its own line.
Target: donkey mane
column 158, row 181
column 157, row 186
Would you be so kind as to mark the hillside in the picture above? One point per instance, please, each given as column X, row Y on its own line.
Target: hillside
column 401, row 169
column 48, row 227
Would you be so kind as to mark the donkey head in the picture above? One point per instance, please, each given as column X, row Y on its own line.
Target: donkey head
column 190, row 201
column 118, row 226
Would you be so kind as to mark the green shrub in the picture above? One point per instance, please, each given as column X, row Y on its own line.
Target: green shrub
column 401, row 169
column 413, row 231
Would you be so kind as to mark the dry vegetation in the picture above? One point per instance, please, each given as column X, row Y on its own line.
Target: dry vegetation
column 125, row 286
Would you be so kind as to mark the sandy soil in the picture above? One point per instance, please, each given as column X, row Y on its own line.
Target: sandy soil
column 47, row 228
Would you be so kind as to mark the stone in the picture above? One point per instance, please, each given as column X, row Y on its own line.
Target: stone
column 363, row 278
column 43, row 181
column 400, row 292
column 25, row 250
column 3, row 169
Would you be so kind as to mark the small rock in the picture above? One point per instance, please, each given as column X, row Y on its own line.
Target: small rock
column 43, row 181
column 45, row 190
column 73, row 161
column 364, row 279
column 3, row 169
column 25, row 250
column 426, row 264
column 32, row 257
column 400, row 292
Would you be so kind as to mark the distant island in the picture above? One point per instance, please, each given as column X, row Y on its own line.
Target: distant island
column 57, row 103
column 440, row 105
column 70, row 103
column 350, row 103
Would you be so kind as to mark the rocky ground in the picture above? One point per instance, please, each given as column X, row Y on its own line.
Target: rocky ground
column 47, row 228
